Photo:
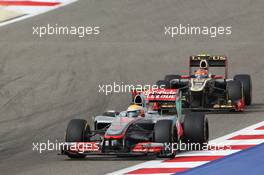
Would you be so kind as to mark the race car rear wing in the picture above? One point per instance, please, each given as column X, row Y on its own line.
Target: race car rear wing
column 156, row 94
column 213, row 61
column 161, row 95
column 162, row 99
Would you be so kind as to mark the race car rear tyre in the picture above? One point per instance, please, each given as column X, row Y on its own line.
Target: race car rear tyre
column 163, row 131
column 163, row 84
column 234, row 90
column 196, row 129
column 247, row 86
column 76, row 131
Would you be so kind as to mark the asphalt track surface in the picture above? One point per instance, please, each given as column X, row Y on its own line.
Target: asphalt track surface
column 46, row 82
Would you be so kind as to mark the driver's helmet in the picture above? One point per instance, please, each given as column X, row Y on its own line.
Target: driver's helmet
column 135, row 111
column 201, row 73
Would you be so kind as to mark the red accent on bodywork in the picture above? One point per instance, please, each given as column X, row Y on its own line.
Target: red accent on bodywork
column 217, row 77
column 114, row 136
column 185, row 76
column 179, row 129
column 240, row 105
column 226, row 69
column 161, row 94
column 155, row 106
column 157, row 94
column 146, row 147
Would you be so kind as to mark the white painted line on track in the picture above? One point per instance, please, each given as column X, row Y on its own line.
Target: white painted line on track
column 169, row 166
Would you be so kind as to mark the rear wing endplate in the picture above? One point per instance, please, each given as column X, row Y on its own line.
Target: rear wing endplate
column 213, row 61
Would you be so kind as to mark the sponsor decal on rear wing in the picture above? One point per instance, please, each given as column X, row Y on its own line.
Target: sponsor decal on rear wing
column 213, row 61
column 161, row 95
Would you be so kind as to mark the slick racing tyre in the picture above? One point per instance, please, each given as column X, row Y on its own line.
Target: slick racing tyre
column 164, row 133
column 76, row 132
column 195, row 129
column 247, row 87
column 234, row 90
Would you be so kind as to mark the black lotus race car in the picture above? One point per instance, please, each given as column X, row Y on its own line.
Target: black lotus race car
column 204, row 90
column 153, row 134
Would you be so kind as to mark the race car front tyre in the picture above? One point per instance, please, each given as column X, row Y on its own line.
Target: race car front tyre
column 164, row 133
column 195, row 130
column 247, row 86
column 234, row 90
column 75, row 132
